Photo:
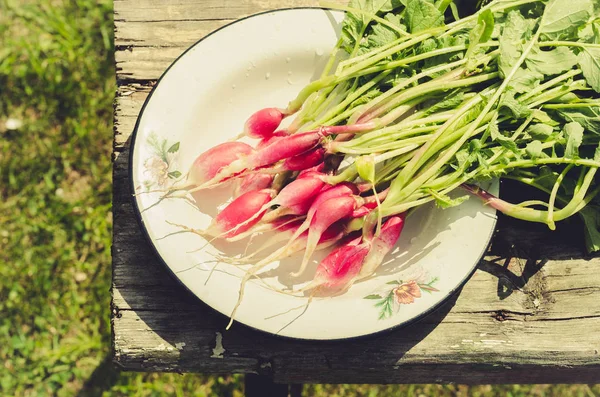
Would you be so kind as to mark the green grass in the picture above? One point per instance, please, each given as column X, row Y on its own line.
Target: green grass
column 57, row 80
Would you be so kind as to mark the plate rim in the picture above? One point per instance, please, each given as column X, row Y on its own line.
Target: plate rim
column 137, row 213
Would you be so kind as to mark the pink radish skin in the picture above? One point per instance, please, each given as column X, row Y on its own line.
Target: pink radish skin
column 263, row 123
column 274, row 152
column 252, row 182
column 210, row 163
column 326, row 214
column 249, row 205
column 305, row 160
column 344, row 189
column 314, row 172
column 294, row 199
column 382, row 245
column 308, row 160
column 339, row 269
column 284, row 148
column 267, row 141
column 361, row 212
column 299, row 195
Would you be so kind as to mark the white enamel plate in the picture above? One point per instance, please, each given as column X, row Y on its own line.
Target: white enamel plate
column 204, row 99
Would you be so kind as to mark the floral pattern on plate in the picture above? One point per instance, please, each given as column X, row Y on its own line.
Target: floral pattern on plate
column 403, row 293
column 159, row 169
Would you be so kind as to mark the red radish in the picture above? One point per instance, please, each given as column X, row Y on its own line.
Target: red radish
column 309, row 159
column 252, row 182
column 294, row 199
column 316, row 171
column 381, row 245
column 344, row 189
column 267, row 141
column 299, row 195
column 274, row 152
column 284, row 148
column 210, row 163
column 326, row 214
column 263, row 123
column 340, row 190
column 226, row 223
column 361, row 212
column 337, row 272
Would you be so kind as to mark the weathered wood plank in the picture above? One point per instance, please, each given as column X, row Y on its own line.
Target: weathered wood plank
column 531, row 316
column 198, row 10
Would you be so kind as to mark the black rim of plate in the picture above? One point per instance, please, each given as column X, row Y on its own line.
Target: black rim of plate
column 142, row 225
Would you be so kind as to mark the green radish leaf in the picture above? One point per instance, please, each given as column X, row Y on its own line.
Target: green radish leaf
column 174, row 174
column 563, row 18
column 541, row 132
column 509, row 102
column 443, row 201
column 552, row 62
column 366, row 97
column 535, row 150
column 365, row 165
column 464, row 158
column 543, row 117
column 393, row 282
column 588, row 117
column 516, row 30
column 574, row 134
column 481, row 33
column 508, row 143
column 525, row 80
column 354, row 25
column 373, row 297
column 173, row 148
column 494, row 130
column 422, row 15
column 383, row 34
column 589, row 61
column 450, row 101
column 590, row 33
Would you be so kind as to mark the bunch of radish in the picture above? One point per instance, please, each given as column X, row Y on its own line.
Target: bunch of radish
column 418, row 109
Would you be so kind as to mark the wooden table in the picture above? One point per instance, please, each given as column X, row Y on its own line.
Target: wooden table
column 530, row 314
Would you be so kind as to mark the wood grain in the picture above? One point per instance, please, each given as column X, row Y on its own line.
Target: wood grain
column 530, row 314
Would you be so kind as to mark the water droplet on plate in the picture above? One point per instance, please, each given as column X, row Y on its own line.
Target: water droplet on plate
column 288, row 60
column 319, row 52
column 233, row 86
column 413, row 240
column 267, row 75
